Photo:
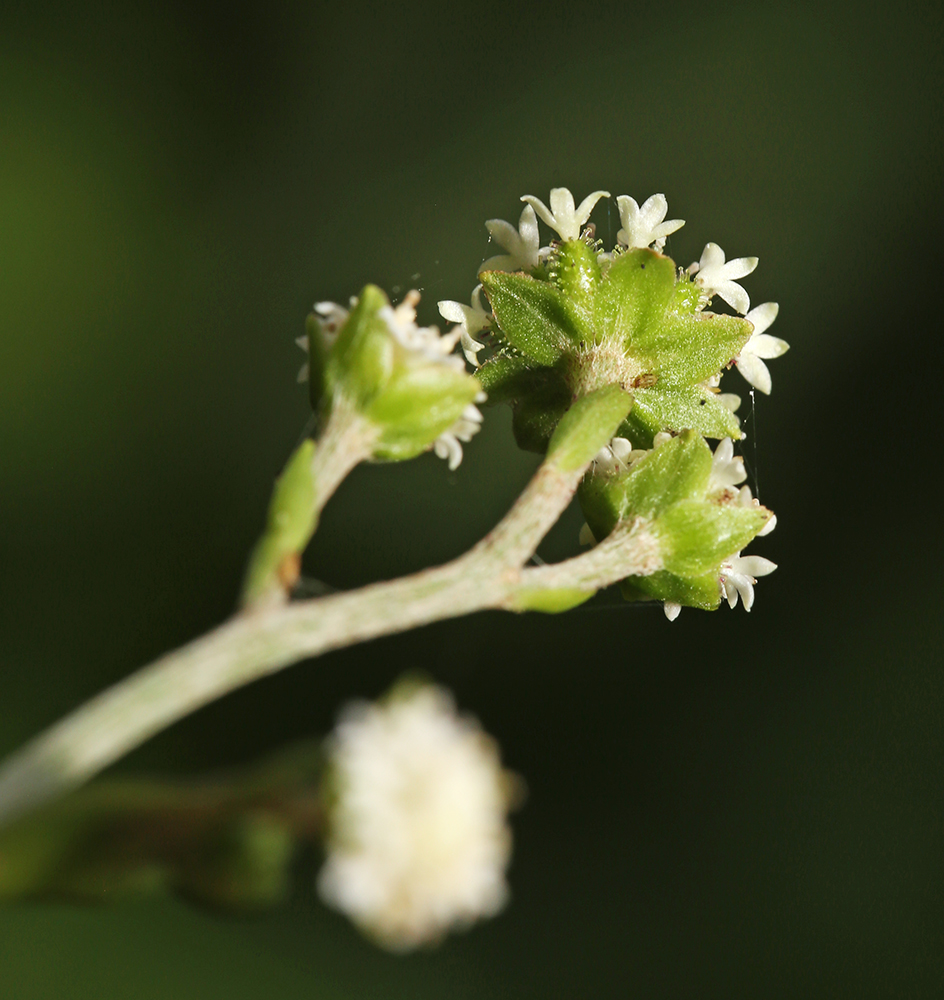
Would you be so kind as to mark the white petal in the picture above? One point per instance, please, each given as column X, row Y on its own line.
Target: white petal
column 586, row 536
column 755, row 565
column 768, row 527
column 451, row 310
column 766, row 346
column 755, row 371
column 740, row 267
column 732, row 293
column 503, row 233
column 672, row 610
column 543, row 212
column 586, row 206
column 762, row 316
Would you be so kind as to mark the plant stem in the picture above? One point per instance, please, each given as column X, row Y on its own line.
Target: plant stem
column 262, row 641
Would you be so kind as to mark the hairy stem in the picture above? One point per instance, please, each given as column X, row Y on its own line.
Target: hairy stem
column 260, row 642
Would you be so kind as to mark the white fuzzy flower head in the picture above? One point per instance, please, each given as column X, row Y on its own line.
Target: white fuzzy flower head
column 521, row 245
column 645, row 227
column 419, row 842
column 471, row 319
column 760, row 346
column 562, row 217
column 738, row 576
column 719, row 278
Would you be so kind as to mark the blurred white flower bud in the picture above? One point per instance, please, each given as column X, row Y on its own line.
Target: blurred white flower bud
column 418, row 842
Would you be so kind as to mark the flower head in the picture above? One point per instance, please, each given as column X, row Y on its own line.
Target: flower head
column 522, row 244
column 418, row 840
column 738, row 576
column 719, row 278
column 644, row 227
column 761, row 345
column 562, row 217
column 471, row 319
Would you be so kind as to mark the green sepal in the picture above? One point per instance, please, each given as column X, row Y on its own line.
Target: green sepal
column 362, row 359
column 290, row 523
column 652, row 313
column 534, row 317
column 677, row 470
column 693, row 592
column 587, row 426
column 551, row 602
column 417, row 405
column 675, row 408
column 632, row 301
column 317, row 360
column 697, row 535
column 536, row 414
column 507, row 378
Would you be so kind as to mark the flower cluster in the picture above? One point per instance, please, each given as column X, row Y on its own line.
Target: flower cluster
column 641, row 227
column 549, row 324
column 404, row 378
column 418, row 838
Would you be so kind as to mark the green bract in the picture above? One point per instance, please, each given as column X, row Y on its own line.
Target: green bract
column 404, row 379
column 697, row 528
column 633, row 322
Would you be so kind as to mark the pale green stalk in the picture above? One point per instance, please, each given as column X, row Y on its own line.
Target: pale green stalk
column 262, row 641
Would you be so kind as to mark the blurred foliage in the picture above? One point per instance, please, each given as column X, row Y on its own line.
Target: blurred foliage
column 755, row 811
column 227, row 842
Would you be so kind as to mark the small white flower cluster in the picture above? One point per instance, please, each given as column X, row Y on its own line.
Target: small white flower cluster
column 737, row 577
column 418, row 839
column 641, row 226
column 425, row 344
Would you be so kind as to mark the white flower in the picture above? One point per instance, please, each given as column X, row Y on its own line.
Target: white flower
column 418, row 841
column 644, row 227
column 464, row 429
column 719, row 278
column 332, row 317
column 761, row 345
column 562, row 217
column 425, row 342
column 522, row 243
column 738, row 576
column 618, row 454
column 727, row 469
column 471, row 319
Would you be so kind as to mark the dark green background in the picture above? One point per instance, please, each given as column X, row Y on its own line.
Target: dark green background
column 729, row 806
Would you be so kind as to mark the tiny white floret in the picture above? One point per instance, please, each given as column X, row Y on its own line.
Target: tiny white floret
column 522, row 245
column 644, row 227
column 727, row 469
column 418, row 839
column 472, row 319
column 719, row 278
column 760, row 346
column 562, row 217
column 738, row 576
